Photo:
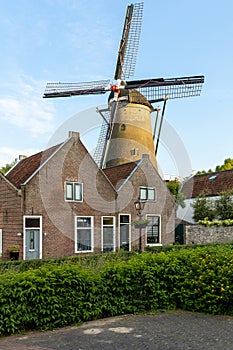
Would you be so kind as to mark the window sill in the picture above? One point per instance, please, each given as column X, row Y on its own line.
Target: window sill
column 154, row 245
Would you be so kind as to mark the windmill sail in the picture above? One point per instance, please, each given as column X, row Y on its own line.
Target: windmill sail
column 129, row 43
column 103, row 137
column 115, row 125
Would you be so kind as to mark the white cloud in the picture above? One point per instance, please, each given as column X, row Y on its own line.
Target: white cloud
column 25, row 107
column 7, row 154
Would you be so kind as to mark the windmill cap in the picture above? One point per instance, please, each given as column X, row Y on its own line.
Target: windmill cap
column 134, row 96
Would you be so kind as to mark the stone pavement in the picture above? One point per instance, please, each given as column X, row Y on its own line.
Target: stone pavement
column 174, row 330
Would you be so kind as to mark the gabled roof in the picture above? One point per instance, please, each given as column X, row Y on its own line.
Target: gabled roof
column 211, row 183
column 23, row 170
column 117, row 174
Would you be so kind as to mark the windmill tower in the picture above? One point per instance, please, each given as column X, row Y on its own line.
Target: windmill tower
column 126, row 131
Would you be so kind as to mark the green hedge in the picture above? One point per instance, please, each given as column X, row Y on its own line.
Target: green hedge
column 56, row 295
column 94, row 261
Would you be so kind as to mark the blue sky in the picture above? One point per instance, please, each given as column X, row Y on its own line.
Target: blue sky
column 77, row 40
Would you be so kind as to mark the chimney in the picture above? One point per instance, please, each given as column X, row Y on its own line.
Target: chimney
column 74, row 134
column 21, row 157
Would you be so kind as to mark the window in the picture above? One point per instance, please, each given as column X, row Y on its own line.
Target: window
column 153, row 230
column 134, row 152
column 124, row 220
column 123, row 127
column 213, row 177
column 147, row 193
column 108, row 233
column 74, row 191
column 84, row 228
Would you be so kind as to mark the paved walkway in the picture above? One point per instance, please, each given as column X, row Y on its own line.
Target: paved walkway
column 175, row 330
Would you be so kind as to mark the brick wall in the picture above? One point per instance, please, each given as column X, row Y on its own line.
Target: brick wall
column 163, row 206
column 44, row 195
column 197, row 234
column 10, row 217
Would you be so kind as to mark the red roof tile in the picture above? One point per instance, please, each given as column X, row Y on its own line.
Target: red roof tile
column 119, row 173
column 27, row 166
column 211, row 183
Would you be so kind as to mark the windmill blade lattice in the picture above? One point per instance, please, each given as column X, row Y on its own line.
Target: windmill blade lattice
column 156, row 89
column 127, row 54
column 73, row 89
column 101, row 144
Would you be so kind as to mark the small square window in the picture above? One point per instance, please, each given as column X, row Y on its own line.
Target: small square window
column 74, row 191
column 147, row 193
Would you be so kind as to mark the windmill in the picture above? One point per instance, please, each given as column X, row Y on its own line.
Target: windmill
column 126, row 132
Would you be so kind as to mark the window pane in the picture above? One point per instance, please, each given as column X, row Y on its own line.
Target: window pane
column 124, row 219
column 152, row 230
column 69, row 191
column 83, row 239
column 31, row 222
column 143, row 193
column 151, row 194
column 32, row 240
column 108, row 221
column 108, row 239
column 77, row 192
column 83, row 222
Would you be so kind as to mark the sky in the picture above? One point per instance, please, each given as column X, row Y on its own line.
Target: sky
column 77, row 40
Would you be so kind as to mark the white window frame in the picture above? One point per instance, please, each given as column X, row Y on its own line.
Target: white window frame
column 87, row 228
column 36, row 228
column 155, row 244
column 147, row 190
column 73, row 184
column 119, row 229
column 114, row 231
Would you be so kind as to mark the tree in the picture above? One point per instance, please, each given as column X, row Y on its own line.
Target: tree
column 7, row 167
column 203, row 208
column 175, row 188
column 221, row 208
column 227, row 165
column 224, row 205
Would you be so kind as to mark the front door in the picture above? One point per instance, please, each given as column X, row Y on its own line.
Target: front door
column 32, row 247
column 32, row 237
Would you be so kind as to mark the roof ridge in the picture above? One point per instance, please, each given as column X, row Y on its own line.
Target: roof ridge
column 27, row 167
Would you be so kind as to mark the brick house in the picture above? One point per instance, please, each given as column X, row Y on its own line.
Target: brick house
column 59, row 203
column 209, row 185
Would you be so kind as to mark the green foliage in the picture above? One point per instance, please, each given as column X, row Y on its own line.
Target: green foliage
column 227, row 165
column 93, row 261
column 208, row 212
column 175, row 188
column 224, row 205
column 197, row 278
column 140, row 223
column 7, row 167
column 203, row 208
column 215, row 222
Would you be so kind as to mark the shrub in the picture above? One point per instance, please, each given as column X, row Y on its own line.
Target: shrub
column 196, row 278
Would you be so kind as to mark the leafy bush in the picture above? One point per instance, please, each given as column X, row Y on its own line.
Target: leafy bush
column 215, row 222
column 196, row 278
column 95, row 261
column 216, row 211
column 203, row 208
